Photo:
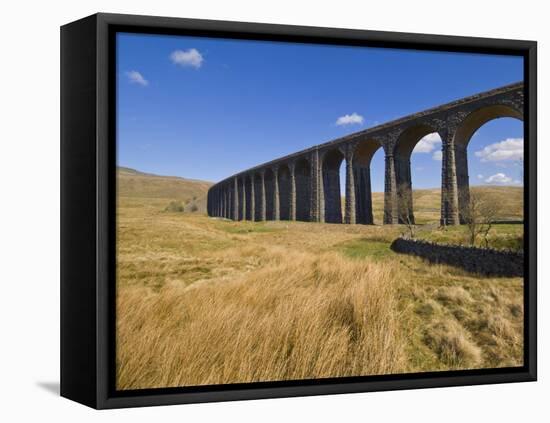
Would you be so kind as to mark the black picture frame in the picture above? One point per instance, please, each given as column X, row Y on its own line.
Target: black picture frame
column 88, row 198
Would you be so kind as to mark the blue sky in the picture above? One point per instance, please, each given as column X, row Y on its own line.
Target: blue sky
column 207, row 108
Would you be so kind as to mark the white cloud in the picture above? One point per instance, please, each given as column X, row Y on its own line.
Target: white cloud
column 428, row 143
column 480, row 176
column 354, row 118
column 191, row 57
column 437, row 155
column 498, row 178
column 507, row 150
column 137, row 78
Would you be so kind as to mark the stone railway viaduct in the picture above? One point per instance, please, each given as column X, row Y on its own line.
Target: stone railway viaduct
column 306, row 185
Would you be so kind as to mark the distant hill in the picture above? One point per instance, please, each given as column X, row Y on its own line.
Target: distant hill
column 133, row 183
column 427, row 202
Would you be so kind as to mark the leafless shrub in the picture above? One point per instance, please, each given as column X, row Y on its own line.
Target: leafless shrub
column 479, row 217
column 405, row 217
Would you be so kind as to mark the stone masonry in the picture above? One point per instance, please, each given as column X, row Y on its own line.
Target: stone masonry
column 306, row 185
column 485, row 261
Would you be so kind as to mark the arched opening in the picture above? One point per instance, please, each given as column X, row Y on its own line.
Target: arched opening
column 417, row 141
column 496, row 152
column 249, row 196
column 362, row 158
column 284, row 192
column 269, row 195
column 241, row 205
column 378, row 180
column 332, row 161
column 228, row 202
column 258, row 212
column 219, row 196
column 222, row 200
column 303, row 183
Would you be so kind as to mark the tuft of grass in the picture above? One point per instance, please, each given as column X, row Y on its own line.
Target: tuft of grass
column 453, row 345
column 453, row 294
column 175, row 207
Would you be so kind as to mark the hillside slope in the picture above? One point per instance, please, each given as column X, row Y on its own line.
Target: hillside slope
column 135, row 184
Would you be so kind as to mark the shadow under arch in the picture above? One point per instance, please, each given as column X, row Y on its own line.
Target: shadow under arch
column 362, row 158
column 404, row 147
column 468, row 127
column 331, row 161
column 284, row 192
column 269, row 181
column 250, row 200
column 259, row 212
column 228, row 198
column 302, row 177
column 241, row 197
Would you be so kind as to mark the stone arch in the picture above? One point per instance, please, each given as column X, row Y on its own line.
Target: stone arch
column 302, row 175
column 404, row 147
column 462, row 136
column 284, row 191
column 479, row 117
column 330, row 169
column 362, row 157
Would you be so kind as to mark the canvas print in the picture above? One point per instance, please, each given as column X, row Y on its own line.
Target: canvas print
column 293, row 211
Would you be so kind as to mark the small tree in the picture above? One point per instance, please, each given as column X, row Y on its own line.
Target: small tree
column 411, row 227
column 479, row 217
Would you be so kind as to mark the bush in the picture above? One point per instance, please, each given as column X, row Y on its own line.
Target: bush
column 175, row 206
column 194, row 208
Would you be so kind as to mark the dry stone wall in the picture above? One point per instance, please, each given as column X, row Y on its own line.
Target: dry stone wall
column 485, row 261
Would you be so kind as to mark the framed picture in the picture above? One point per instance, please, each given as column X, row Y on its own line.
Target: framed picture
column 257, row 211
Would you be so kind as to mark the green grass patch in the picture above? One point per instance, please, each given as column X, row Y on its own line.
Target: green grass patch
column 363, row 248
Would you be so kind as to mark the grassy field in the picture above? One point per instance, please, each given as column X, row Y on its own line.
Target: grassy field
column 190, row 193
column 206, row 301
column 427, row 203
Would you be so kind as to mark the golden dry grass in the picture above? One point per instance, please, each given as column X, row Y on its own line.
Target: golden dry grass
column 299, row 318
column 133, row 183
column 207, row 301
